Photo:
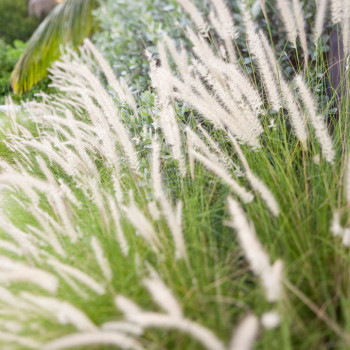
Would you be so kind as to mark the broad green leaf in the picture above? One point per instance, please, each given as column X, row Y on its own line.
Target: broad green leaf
column 68, row 23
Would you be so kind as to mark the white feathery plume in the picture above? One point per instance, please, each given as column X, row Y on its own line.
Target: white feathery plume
column 129, row 96
column 317, row 122
column 80, row 148
column 62, row 310
column 270, row 319
column 288, row 19
column 189, row 152
column 78, row 275
column 180, row 58
column 219, row 171
column 222, row 50
column 121, row 239
column 225, row 19
column 21, row 341
column 24, row 241
column 7, row 298
column 299, row 18
column 211, row 109
column 104, row 100
column 10, row 247
column 143, row 226
column 265, row 68
column 347, row 10
column 346, row 237
column 103, row 132
column 50, row 228
column 238, row 82
column 245, row 334
column 67, row 192
column 151, row 319
column 230, row 88
column 60, row 206
column 167, row 116
column 256, row 183
column 271, row 279
column 122, row 327
column 239, row 112
column 11, row 114
column 230, row 83
column 168, row 211
column 162, row 295
column 252, row 248
column 54, row 120
column 201, row 48
column 153, row 210
column 97, row 196
column 320, row 17
column 101, row 259
column 317, row 159
column 48, row 237
column 337, row 7
column 117, row 188
column 12, row 271
column 73, row 284
column 222, row 21
column 12, row 327
column 270, row 276
column 201, row 334
column 197, row 143
column 195, row 93
column 127, row 306
column 107, row 70
column 345, row 30
column 17, row 200
column 336, row 228
column 195, row 15
column 162, row 52
column 296, row 117
column 264, row 192
column 64, row 214
column 47, row 149
column 96, row 338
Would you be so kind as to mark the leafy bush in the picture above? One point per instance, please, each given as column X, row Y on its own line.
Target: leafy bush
column 15, row 22
column 128, row 28
column 9, row 55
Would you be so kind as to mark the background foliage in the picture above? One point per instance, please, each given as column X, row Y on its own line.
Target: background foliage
column 15, row 22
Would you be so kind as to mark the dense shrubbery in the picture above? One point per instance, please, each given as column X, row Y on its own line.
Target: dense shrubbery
column 16, row 28
column 15, row 22
column 9, row 55
column 128, row 28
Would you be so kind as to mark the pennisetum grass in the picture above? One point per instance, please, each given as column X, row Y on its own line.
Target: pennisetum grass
column 113, row 240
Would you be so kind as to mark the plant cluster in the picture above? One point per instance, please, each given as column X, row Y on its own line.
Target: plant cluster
column 15, row 22
column 209, row 212
column 9, row 55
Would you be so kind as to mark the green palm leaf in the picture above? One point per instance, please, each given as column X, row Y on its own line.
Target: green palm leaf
column 68, row 23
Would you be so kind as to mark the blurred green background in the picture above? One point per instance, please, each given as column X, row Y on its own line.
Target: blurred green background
column 16, row 27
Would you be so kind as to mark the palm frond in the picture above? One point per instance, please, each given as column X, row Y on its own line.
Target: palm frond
column 68, row 23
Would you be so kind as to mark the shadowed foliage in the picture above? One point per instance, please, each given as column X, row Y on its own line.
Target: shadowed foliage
column 15, row 22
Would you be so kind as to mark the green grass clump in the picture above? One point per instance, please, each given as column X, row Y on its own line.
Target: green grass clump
column 98, row 200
